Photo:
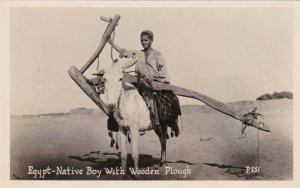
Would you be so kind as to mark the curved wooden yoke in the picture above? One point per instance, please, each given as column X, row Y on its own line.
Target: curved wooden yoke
column 77, row 76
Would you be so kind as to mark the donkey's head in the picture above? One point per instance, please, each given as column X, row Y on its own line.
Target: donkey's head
column 113, row 84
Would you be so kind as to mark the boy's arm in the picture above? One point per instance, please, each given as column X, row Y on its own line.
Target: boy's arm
column 162, row 68
column 122, row 51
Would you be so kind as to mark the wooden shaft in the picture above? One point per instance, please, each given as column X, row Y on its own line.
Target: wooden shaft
column 217, row 105
column 103, row 42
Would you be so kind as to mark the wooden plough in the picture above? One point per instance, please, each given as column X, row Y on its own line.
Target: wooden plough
column 77, row 76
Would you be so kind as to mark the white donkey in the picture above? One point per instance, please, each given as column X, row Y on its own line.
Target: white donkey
column 130, row 111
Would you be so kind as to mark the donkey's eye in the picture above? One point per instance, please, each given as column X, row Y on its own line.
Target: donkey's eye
column 120, row 79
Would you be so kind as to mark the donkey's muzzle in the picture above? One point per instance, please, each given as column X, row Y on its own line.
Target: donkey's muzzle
column 111, row 108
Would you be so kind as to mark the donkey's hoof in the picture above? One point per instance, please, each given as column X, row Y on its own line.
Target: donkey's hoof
column 137, row 177
column 162, row 164
column 127, row 177
column 167, row 136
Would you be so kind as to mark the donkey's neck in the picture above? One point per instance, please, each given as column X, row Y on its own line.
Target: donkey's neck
column 132, row 109
column 127, row 95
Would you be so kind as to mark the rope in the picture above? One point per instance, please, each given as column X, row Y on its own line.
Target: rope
column 111, row 49
column 257, row 149
column 257, row 155
column 244, row 135
column 249, row 119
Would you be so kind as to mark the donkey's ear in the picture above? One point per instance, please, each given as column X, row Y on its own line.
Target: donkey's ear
column 128, row 64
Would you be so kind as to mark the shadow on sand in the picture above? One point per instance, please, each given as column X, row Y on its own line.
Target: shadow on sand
column 103, row 160
column 112, row 160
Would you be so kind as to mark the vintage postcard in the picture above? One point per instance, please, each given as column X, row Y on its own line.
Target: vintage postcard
column 165, row 92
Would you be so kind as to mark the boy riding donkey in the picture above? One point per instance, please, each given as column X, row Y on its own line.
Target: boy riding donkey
column 150, row 66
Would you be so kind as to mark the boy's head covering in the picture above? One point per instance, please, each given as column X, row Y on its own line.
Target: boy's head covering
column 148, row 32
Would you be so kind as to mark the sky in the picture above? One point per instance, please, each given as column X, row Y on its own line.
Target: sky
column 230, row 54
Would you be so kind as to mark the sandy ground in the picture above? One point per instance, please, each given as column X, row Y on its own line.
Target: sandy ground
column 208, row 149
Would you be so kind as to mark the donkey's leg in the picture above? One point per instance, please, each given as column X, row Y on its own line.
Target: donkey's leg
column 159, row 131
column 164, row 147
column 135, row 147
column 123, row 149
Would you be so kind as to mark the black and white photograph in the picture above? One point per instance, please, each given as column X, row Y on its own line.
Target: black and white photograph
column 155, row 92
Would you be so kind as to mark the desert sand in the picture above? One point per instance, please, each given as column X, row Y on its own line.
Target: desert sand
column 209, row 145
